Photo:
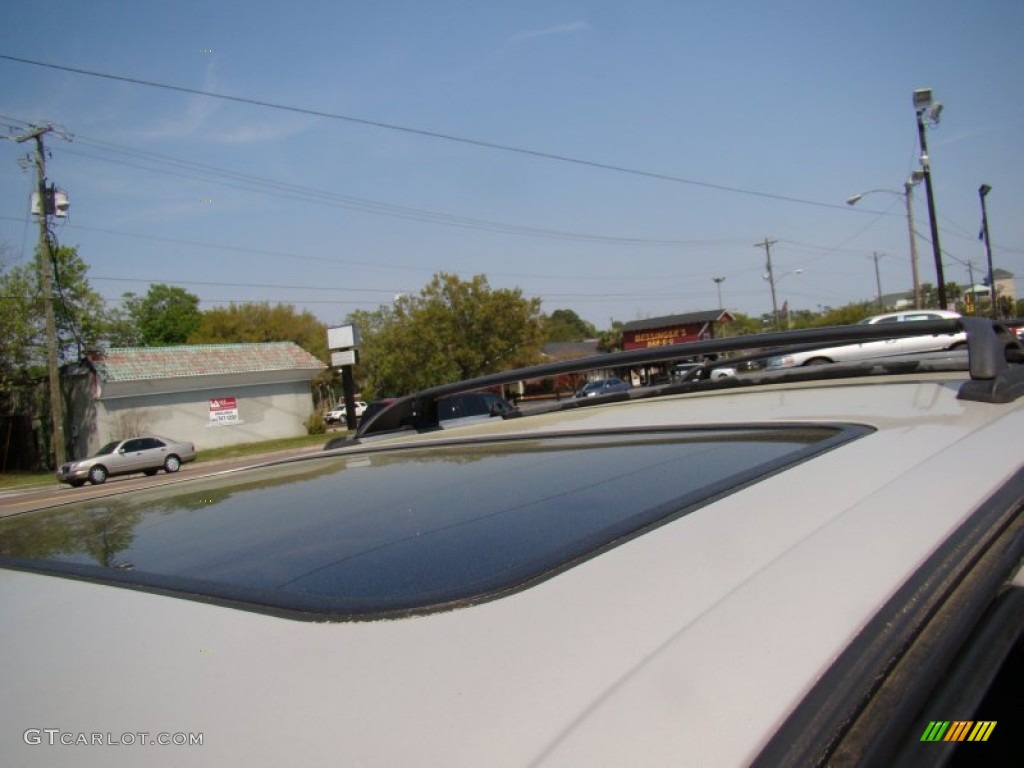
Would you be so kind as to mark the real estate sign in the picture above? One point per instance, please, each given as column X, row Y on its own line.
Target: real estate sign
column 223, row 411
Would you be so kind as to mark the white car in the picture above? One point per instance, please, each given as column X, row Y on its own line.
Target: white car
column 337, row 414
column 789, row 571
column 903, row 345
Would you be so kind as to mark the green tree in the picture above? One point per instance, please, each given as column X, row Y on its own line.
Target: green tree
column 929, row 296
column 953, row 293
column 566, row 325
column 259, row 322
column 78, row 310
column 452, row 330
column 79, row 319
column 18, row 332
column 744, row 325
column 611, row 339
column 165, row 315
column 848, row 314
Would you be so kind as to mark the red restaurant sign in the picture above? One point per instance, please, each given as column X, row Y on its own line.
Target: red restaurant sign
column 660, row 337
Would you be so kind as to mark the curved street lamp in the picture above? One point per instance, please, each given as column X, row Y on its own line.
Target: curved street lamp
column 907, row 194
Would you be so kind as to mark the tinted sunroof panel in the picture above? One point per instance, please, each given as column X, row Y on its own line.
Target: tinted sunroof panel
column 389, row 531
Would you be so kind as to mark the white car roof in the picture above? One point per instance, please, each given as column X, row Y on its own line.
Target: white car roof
column 692, row 643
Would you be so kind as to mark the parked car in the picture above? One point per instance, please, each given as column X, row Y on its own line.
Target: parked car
column 447, row 413
column 903, row 345
column 338, row 414
column 147, row 454
column 469, row 407
column 603, row 387
column 819, row 567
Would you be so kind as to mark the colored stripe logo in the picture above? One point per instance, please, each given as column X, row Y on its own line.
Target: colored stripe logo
column 958, row 730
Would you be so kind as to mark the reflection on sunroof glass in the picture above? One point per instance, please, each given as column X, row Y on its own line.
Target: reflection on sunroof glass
column 393, row 531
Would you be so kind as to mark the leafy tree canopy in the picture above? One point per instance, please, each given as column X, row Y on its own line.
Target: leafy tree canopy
column 454, row 329
column 78, row 311
column 611, row 340
column 78, row 319
column 566, row 325
column 259, row 322
column 165, row 315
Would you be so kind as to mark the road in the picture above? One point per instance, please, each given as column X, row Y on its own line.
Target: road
column 15, row 502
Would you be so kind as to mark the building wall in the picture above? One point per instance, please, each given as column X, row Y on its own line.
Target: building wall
column 266, row 411
column 1005, row 287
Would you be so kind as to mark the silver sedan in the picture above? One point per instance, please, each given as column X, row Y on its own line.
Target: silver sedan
column 148, row 454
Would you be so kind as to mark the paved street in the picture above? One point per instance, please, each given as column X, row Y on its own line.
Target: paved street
column 15, row 502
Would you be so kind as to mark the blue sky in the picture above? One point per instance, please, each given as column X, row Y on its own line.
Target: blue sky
column 745, row 121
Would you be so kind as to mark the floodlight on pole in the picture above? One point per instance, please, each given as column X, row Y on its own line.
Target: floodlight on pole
column 926, row 109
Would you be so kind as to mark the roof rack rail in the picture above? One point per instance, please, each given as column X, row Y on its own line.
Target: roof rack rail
column 990, row 346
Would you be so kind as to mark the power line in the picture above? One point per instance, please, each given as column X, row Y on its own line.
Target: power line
column 426, row 133
column 245, row 285
column 332, row 260
column 364, row 205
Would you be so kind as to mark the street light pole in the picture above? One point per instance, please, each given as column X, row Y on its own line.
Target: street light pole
column 983, row 191
column 907, row 194
column 922, row 105
column 718, row 284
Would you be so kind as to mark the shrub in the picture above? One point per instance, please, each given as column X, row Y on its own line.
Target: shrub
column 315, row 424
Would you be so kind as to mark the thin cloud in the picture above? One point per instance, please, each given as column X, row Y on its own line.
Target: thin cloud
column 262, row 131
column 937, row 140
column 561, row 29
column 193, row 119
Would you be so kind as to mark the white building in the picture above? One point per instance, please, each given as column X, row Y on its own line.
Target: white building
column 208, row 394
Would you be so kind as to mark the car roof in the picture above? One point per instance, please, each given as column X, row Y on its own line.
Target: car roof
column 754, row 628
column 907, row 312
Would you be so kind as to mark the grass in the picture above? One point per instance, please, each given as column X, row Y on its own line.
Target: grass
column 267, row 446
column 11, row 481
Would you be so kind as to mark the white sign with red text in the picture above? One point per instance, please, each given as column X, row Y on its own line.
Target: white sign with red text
column 223, row 411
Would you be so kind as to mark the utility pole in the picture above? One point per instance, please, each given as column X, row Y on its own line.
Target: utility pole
column 983, row 191
column 908, row 196
column 45, row 285
column 878, row 280
column 770, row 277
